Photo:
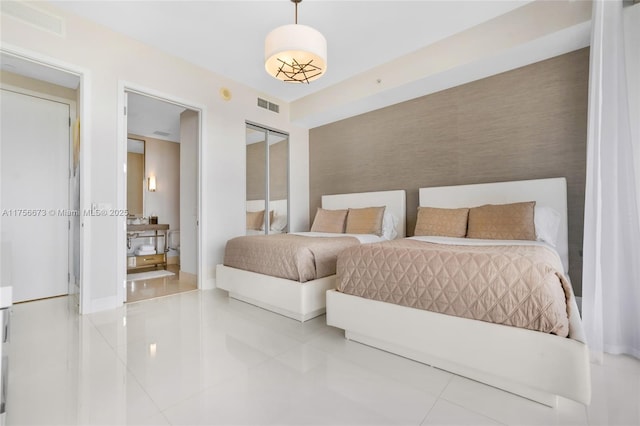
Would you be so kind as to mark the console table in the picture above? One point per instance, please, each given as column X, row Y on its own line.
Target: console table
column 145, row 231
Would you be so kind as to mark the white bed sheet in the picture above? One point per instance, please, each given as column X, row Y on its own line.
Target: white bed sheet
column 363, row 238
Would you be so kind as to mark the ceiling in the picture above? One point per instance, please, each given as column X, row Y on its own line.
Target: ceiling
column 227, row 37
column 379, row 52
column 151, row 117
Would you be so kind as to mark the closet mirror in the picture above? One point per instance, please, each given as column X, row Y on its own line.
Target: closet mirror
column 135, row 177
column 267, row 180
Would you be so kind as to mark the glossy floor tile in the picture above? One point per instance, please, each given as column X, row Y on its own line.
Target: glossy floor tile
column 157, row 287
column 200, row 358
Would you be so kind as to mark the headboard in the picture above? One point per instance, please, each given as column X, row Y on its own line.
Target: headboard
column 395, row 201
column 545, row 192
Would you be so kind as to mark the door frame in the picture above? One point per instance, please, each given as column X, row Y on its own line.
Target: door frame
column 84, row 113
column 125, row 87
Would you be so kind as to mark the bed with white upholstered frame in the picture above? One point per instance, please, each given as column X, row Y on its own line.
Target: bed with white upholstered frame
column 303, row 301
column 532, row 364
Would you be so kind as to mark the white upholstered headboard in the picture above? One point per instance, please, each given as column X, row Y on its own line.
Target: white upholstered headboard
column 545, row 192
column 395, row 201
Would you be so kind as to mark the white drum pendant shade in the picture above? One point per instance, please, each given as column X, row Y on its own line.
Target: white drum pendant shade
column 295, row 53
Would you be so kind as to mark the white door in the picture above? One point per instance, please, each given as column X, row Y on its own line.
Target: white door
column 34, row 153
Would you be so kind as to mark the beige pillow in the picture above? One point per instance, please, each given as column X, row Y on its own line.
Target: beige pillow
column 271, row 216
column 255, row 220
column 503, row 222
column 441, row 222
column 365, row 221
column 329, row 221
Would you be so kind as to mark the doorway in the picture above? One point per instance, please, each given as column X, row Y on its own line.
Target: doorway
column 161, row 197
column 40, row 180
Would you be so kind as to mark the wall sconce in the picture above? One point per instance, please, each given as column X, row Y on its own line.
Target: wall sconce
column 152, row 183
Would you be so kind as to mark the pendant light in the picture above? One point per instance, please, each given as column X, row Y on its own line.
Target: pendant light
column 295, row 53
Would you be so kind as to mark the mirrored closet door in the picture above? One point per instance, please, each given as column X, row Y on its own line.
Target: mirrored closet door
column 267, row 180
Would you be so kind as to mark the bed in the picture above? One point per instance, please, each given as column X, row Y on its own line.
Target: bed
column 290, row 297
column 536, row 365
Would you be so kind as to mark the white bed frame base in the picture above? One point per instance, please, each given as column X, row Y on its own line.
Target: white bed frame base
column 304, row 301
column 300, row 301
column 531, row 364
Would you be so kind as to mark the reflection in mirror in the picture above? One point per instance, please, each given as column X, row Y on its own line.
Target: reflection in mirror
column 278, row 182
column 267, row 181
column 256, row 180
column 135, row 177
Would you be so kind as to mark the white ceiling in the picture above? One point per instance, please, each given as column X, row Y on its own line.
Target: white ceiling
column 227, row 37
column 150, row 117
column 417, row 47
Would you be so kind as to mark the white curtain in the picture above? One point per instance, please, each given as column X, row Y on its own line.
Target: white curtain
column 611, row 274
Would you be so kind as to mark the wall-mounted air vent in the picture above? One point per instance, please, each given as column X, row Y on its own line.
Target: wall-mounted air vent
column 263, row 103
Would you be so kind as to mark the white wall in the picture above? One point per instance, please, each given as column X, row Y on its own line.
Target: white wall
column 107, row 57
column 632, row 50
column 189, row 191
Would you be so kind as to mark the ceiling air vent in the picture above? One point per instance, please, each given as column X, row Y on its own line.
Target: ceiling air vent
column 274, row 107
column 161, row 133
column 263, row 103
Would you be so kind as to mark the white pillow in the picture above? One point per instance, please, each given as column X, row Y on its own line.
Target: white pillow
column 547, row 223
column 389, row 223
column 279, row 222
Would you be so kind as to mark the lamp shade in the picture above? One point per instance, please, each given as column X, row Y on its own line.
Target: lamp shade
column 295, row 53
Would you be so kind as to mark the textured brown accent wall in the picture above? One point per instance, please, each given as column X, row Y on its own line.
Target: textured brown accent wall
column 528, row 123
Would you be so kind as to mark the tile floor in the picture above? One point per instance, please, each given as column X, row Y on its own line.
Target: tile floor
column 200, row 358
column 164, row 286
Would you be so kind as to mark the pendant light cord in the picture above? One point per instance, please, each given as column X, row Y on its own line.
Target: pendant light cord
column 296, row 12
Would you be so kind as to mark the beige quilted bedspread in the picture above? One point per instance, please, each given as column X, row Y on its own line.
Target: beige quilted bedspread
column 520, row 286
column 293, row 257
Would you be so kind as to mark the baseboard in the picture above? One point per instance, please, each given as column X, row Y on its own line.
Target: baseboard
column 102, row 304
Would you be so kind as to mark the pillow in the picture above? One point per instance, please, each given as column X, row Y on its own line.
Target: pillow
column 279, row 223
column 367, row 220
column 442, row 222
column 271, row 215
column 502, row 222
column 389, row 223
column 547, row 223
column 255, row 220
column 329, row 221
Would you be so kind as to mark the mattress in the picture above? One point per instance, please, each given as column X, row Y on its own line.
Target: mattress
column 300, row 257
column 512, row 283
